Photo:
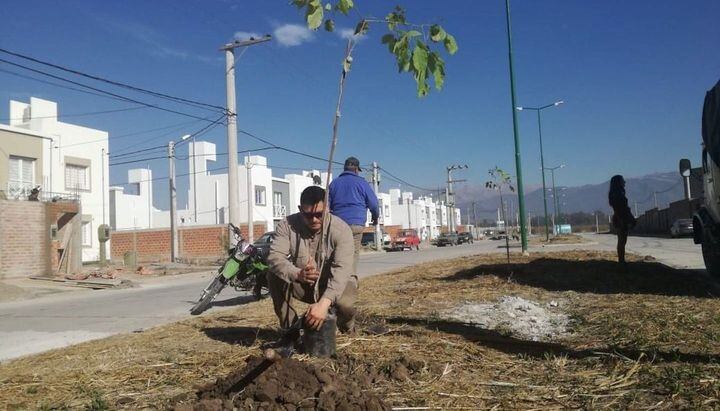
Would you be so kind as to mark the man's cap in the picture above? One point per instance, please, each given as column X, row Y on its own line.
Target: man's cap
column 354, row 162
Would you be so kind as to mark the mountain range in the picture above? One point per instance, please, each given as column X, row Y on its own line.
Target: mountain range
column 587, row 198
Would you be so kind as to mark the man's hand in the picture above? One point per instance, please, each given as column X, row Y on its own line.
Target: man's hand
column 317, row 313
column 374, row 221
column 309, row 274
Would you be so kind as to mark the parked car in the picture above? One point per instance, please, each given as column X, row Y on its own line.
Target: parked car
column 681, row 227
column 465, row 238
column 368, row 239
column 407, row 238
column 263, row 244
column 446, row 239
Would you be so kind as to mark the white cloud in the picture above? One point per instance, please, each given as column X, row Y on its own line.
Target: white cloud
column 348, row 34
column 245, row 35
column 290, row 35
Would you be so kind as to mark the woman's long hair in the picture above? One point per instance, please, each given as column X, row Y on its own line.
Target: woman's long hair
column 617, row 189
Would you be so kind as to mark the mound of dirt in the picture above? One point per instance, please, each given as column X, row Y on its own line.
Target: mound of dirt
column 294, row 385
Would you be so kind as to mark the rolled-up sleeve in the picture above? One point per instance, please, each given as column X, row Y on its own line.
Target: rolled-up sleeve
column 278, row 261
column 341, row 265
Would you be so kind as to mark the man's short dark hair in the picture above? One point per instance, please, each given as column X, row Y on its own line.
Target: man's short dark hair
column 312, row 195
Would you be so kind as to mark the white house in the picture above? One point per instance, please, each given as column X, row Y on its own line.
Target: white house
column 73, row 161
column 271, row 198
column 133, row 210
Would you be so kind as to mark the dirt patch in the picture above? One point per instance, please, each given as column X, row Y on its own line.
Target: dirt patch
column 292, row 384
column 558, row 239
column 516, row 316
column 643, row 336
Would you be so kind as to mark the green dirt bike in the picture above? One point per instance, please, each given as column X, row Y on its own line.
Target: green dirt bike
column 244, row 270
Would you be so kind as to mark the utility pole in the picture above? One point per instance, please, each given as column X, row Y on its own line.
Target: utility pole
column 656, row 203
column 376, row 187
column 102, row 186
column 450, row 194
column 251, row 200
column 516, row 135
column 233, row 197
column 194, row 176
column 597, row 223
column 636, row 210
column 173, row 204
column 173, row 200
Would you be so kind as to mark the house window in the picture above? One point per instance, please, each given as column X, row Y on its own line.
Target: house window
column 277, row 197
column 260, row 195
column 387, row 210
column 21, row 173
column 87, row 233
column 77, row 177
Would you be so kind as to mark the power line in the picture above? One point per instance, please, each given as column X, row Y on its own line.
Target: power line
column 91, row 113
column 204, row 130
column 400, row 180
column 289, row 150
column 102, row 91
column 59, row 85
column 136, row 161
column 135, row 133
column 116, row 83
column 137, row 151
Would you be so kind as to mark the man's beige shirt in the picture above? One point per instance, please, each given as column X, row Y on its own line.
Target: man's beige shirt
column 294, row 244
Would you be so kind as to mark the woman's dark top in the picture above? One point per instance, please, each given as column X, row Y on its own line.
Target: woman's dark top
column 623, row 218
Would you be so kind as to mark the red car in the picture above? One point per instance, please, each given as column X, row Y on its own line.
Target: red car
column 407, row 238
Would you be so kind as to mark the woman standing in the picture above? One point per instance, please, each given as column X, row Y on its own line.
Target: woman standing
column 622, row 219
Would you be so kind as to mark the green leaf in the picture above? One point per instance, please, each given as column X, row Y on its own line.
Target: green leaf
column 361, row 27
column 395, row 18
column 436, row 65
column 314, row 14
column 390, row 40
column 437, row 33
column 450, row 44
column 420, row 57
column 328, row 7
column 413, row 33
column 329, row 25
column 344, row 6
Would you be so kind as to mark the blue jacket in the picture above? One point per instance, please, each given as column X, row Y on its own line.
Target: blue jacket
column 350, row 196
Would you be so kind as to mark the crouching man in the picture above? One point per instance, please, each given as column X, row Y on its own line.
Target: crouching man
column 294, row 264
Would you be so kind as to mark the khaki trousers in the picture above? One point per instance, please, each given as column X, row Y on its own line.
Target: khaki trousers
column 282, row 294
column 357, row 231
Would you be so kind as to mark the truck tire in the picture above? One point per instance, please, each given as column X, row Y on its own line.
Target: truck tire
column 711, row 254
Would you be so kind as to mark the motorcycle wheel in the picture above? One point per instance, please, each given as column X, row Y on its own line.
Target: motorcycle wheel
column 208, row 295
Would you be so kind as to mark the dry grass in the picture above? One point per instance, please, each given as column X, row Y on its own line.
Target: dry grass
column 645, row 337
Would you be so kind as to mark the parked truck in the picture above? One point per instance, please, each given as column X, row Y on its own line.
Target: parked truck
column 706, row 220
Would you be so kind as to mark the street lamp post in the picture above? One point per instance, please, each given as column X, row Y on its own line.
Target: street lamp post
column 542, row 158
column 556, row 203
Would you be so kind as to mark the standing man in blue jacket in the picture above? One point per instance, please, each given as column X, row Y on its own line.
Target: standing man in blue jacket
column 350, row 198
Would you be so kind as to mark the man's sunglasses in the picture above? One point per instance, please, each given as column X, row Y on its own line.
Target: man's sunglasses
column 310, row 215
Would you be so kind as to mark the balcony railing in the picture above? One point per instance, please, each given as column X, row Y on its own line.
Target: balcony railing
column 24, row 193
column 279, row 211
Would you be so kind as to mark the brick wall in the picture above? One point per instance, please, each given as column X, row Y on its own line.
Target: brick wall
column 25, row 236
column 193, row 242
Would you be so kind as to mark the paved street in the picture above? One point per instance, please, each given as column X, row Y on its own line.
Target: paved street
column 675, row 252
column 36, row 325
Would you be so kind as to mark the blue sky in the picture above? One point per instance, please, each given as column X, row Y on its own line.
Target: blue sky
column 633, row 76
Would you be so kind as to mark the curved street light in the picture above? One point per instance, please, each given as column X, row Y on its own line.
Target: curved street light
column 556, row 204
column 542, row 159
